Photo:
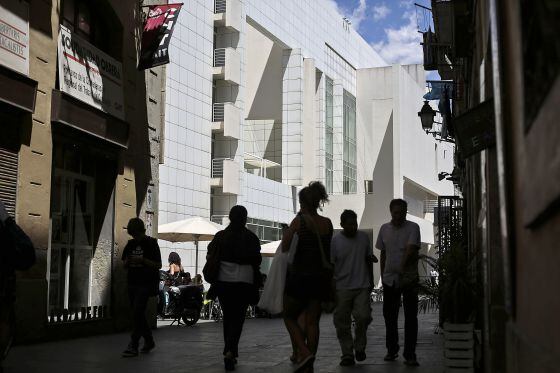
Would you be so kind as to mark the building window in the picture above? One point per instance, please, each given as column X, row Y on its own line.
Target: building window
column 96, row 22
column 329, row 134
column 266, row 231
column 349, row 171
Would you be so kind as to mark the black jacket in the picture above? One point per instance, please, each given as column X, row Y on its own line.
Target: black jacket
column 16, row 253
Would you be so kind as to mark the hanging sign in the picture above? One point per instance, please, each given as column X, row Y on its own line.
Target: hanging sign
column 475, row 129
column 158, row 28
column 89, row 74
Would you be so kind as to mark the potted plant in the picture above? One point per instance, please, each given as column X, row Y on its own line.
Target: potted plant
column 457, row 291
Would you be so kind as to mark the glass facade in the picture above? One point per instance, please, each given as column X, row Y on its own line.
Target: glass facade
column 329, row 134
column 266, row 231
column 349, row 173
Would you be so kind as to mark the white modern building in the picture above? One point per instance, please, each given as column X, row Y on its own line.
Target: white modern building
column 264, row 96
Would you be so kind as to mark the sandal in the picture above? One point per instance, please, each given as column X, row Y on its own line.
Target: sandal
column 304, row 364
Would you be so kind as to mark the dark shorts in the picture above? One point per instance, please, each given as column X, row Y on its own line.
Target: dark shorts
column 309, row 286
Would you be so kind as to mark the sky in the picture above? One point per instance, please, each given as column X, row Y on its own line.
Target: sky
column 390, row 26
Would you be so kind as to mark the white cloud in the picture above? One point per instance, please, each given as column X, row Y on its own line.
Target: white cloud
column 380, row 12
column 406, row 4
column 358, row 14
column 402, row 44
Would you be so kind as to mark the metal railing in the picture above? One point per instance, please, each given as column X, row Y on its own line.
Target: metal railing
column 218, row 167
column 218, row 112
column 220, row 6
column 219, row 57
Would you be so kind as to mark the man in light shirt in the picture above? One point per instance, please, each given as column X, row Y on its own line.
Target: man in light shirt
column 352, row 256
column 399, row 242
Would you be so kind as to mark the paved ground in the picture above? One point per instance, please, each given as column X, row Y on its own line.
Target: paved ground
column 265, row 347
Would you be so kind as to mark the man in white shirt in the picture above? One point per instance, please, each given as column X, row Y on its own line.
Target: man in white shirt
column 352, row 256
column 399, row 242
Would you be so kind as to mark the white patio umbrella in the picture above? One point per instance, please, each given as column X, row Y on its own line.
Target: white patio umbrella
column 189, row 230
column 269, row 249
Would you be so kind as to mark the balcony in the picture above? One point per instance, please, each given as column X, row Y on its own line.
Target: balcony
column 226, row 119
column 227, row 65
column 227, row 13
column 225, row 175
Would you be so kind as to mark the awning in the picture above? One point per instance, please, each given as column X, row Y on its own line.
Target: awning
column 17, row 90
column 74, row 113
column 259, row 162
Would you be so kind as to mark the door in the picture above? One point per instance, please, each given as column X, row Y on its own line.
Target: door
column 71, row 249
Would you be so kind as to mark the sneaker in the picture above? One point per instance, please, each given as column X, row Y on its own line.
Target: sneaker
column 347, row 361
column 391, row 356
column 360, row 355
column 411, row 362
column 130, row 352
column 148, row 346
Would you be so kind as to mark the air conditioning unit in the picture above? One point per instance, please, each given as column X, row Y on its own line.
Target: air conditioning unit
column 368, row 186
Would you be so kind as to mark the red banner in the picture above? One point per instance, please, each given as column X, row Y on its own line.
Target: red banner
column 158, row 28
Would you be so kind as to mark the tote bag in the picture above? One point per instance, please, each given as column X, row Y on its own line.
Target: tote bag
column 272, row 298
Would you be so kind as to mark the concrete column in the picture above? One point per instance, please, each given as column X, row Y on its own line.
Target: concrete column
column 319, row 126
column 338, row 136
column 292, row 115
column 309, row 139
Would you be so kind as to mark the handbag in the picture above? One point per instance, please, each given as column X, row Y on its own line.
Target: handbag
column 293, row 249
column 272, row 298
column 211, row 269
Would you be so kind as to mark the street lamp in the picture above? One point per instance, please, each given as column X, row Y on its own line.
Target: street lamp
column 427, row 115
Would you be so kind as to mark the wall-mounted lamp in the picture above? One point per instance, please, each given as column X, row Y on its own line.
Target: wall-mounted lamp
column 427, row 115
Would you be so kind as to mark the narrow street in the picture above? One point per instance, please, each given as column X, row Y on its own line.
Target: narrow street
column 265, row 347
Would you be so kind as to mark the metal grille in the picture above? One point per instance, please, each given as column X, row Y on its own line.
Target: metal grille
column 8, row 180
column 219, row 6
column 218, row 112
column 450, row 221
column 219, row 57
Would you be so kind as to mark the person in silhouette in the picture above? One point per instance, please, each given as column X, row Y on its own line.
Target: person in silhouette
column 399, row 242
column 309, row 277
column 142, row 259
column 238, row 252
column 16, row 253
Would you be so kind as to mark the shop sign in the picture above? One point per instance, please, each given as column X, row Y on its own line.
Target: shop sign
column 475, row 129
column 89, row 74
column 14, row 35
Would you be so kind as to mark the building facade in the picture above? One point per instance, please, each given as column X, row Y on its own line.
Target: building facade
column 504, row 58
column 80, row 156
column 263, row 97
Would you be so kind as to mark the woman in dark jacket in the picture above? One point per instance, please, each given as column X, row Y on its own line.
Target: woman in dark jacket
column 238, row 251
column 309, row 278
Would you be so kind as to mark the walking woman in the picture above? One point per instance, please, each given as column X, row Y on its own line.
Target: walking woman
column 309, row 278
column 236, row 251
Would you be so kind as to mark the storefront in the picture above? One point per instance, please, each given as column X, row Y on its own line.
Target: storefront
column 88, row 135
